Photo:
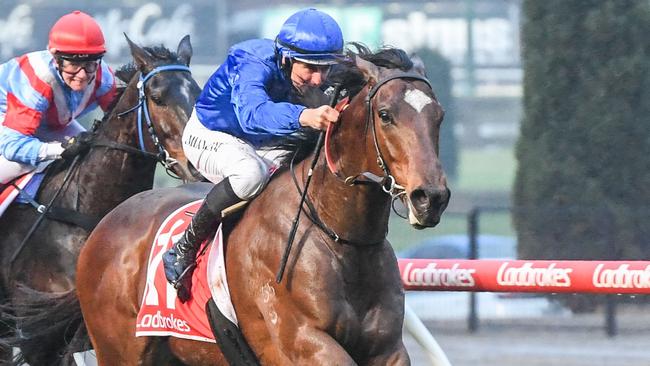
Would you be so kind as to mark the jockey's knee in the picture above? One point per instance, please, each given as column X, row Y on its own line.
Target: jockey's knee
column 250, row 180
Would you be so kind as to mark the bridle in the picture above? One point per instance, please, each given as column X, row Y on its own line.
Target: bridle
column 387, row 182
column 142, row 109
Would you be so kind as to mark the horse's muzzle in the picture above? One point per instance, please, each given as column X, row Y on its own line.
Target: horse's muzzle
column 426, row 205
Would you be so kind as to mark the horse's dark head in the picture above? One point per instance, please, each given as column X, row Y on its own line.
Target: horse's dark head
column 170, row 95
column 402, row 129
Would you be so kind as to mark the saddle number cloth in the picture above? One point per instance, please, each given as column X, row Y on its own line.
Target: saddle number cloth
column 10, row 192
column 161, row 313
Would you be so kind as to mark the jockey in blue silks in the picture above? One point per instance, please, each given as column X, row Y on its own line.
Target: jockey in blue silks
column 241, row 111
column 42, row 94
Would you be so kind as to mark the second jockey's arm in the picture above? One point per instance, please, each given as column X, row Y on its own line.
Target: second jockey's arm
column 15, row 146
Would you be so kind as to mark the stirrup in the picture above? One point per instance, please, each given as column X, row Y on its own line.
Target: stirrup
column 177, row 284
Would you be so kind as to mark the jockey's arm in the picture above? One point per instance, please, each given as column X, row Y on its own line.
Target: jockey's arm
column 256, row 111
column 18, row 147
column 25, row 110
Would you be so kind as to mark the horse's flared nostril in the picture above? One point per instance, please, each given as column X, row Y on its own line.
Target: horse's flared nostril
column 424, row 200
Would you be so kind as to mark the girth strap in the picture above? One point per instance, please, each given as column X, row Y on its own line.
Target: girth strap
column 84, row 221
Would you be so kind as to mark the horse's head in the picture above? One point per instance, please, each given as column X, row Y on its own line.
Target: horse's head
column 169, row 94
column 402, row 126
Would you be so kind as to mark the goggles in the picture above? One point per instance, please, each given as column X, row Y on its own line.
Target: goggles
column 74, row 67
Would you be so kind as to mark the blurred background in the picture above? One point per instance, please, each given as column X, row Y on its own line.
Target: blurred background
column 546, row 139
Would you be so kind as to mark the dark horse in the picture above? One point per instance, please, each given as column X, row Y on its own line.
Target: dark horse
column 116, row 167
column 341, row 301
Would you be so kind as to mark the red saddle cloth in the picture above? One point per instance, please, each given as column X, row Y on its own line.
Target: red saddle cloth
column 161, row 312
column 9, row 193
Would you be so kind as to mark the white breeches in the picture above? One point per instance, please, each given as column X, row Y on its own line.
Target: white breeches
column 11, row 169
column 218, row 155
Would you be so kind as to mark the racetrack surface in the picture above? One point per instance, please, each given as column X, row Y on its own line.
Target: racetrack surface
column 577, row 341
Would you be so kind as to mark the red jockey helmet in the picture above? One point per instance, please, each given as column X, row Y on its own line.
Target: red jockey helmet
column 77, row 33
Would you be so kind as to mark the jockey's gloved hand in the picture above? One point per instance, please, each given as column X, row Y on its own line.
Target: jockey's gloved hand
column 50, row 151
column 77, row 145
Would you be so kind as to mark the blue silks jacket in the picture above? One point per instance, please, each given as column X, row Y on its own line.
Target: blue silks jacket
column 247, row 95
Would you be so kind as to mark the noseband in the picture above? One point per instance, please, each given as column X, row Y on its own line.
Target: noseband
column 141, row 109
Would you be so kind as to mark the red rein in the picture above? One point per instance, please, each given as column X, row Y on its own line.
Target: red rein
column 340, row 106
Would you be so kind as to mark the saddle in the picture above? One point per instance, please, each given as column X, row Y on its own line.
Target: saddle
column 208, row 315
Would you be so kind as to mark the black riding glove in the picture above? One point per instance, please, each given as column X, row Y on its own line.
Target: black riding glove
column 77, row 145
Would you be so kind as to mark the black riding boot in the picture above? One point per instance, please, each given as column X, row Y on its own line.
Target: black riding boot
column 180, row 260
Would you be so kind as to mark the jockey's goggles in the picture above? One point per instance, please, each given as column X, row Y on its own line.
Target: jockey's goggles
column 322, row 68
column 74, row 67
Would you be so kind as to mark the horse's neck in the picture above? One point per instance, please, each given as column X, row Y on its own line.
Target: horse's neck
column 123, row 129
column 357, row 213
column 111, row 175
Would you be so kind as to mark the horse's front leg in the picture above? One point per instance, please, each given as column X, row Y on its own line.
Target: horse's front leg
column 312, row 346
column 397, row 358
column 296, row 337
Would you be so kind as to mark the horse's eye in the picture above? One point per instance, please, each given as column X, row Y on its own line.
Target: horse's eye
column 157, row 98
column 385, row 116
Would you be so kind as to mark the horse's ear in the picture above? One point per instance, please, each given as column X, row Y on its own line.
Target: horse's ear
column 142, row 58
column 369, row 70
column 184, row 50
column 418, row 65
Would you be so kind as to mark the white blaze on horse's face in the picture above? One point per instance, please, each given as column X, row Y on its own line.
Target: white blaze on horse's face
column 417, row 99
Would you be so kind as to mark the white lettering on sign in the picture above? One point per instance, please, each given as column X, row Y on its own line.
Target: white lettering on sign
column 440, row 277
column 621, row 277
column 145, row 25
column 527, row 276
column 16, row 31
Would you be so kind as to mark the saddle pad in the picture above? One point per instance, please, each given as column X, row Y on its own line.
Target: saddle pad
column 161, row 313
column 10, row 192
column 28, row 182
column 31, row 188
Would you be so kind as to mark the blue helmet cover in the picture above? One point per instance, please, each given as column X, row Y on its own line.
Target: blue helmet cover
column 311, row 36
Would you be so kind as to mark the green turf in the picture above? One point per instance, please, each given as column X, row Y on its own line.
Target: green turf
column 488, row 169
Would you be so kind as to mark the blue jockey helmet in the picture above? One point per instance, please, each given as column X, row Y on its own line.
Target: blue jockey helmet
column 311, row 36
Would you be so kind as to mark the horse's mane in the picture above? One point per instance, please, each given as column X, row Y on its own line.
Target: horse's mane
column 351, row 79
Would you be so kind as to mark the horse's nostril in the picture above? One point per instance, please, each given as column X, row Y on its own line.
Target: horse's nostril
column 420, row 199
column 424, row 199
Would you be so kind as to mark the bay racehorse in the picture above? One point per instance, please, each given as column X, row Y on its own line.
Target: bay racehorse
column 341, row 300
column 124, row 150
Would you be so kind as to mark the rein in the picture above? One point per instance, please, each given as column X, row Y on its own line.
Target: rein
column 141, row 109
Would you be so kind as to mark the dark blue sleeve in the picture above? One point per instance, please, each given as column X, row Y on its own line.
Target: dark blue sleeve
column 255, row 110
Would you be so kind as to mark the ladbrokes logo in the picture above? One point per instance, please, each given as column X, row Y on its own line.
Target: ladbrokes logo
column 528, row 276
column 166, row 322
column 621, row 277
column 432, row 276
